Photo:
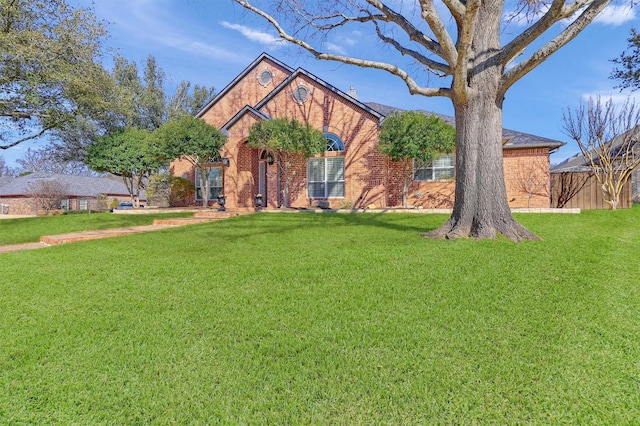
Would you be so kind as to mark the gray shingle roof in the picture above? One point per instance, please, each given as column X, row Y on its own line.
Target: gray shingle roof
column 4, row 180
column 77, row 186
column 579, row 162
column 515, row 139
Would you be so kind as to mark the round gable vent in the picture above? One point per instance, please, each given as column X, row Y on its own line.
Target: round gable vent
column 300, row 94
column 265, row 77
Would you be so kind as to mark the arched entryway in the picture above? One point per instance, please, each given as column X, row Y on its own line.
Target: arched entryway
column 263, row 163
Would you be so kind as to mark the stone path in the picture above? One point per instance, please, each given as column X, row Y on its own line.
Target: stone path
column 52, row 240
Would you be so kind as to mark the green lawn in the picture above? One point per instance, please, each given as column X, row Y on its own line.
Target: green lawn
column 326, row 319
column 30, row 229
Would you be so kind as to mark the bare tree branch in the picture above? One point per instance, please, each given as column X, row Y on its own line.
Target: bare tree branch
column 430, row 15
column 27, row 138
column 412, row 85
column 411, row 30
column 443, row 69
column 608, row 139
column 585, row 18
column 467, row 29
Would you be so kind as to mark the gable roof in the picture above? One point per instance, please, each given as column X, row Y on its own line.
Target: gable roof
column 300, row 71
column 77, row 186
column 242, row 75
column 515, row 140
column 247, row 109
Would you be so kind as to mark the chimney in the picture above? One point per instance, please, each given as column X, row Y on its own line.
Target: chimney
column 352, row 92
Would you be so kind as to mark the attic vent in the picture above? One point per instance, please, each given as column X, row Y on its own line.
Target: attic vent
column 265, row 77
column 300, row 94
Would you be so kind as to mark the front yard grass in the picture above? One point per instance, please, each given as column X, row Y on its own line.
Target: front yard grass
column 30, row 229
column 326, row 319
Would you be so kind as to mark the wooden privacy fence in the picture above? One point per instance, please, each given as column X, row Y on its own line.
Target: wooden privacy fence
column 582, row 190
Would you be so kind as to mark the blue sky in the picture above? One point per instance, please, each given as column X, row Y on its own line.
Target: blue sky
column 209, row 42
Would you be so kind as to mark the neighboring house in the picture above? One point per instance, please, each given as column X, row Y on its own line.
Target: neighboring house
column 574, row 185
column 352, row 172
column 20, row 195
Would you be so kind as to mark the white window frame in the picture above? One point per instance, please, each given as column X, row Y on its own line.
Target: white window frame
column 434, row 170
column 83, row 204
column 327, row 182
column 333, row 145
column 214, row 188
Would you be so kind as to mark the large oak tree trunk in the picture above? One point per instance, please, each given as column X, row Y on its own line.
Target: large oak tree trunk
column 481, row 209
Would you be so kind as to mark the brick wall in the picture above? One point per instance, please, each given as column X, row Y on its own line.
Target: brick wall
column 28, row 206
column 527, row 177
column 248, row 91
column 20, row 205
column 370, row 179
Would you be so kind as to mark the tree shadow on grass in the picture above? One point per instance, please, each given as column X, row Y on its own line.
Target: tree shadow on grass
column 245, row 226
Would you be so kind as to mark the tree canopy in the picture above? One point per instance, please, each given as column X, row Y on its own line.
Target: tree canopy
column 137, row 99
column 193, row 140
column 412, row 135
column 628, row 70
column 50, row 67
column 282, row 135
column 130, row 153
column 466, row 44
column 290, row 141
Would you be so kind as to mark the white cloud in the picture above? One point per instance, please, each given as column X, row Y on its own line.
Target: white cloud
column 150, row 23
column 253, row 34
column 618, row 98
column 616, row 15
column 332, row 47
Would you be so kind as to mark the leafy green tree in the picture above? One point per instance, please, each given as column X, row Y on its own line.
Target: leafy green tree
column 133, row 101
column 187, row 102
column 129, row 153
column 50, row 67
column 192, row 139
column 290, row 141
column 138, row 102
column 412, row 135
column 628, row 70
column 152, row 99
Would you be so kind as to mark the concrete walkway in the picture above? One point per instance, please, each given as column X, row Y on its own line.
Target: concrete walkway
column 52, row 240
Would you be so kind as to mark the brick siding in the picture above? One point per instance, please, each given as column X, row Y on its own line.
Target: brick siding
column 371, row 180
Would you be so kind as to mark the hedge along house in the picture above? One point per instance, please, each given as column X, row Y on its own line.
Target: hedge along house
column 352, row 172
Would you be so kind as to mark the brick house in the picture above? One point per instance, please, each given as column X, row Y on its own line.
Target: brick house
column 71, row 192
column 352, row 172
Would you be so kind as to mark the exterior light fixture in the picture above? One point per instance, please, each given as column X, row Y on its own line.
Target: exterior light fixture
column 221, row 202
column 225, row 162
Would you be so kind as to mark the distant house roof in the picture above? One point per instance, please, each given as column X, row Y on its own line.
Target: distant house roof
column 577, row 163
column 580, row 163
column 4, row 180
column 515, row 140
column 77, row 186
